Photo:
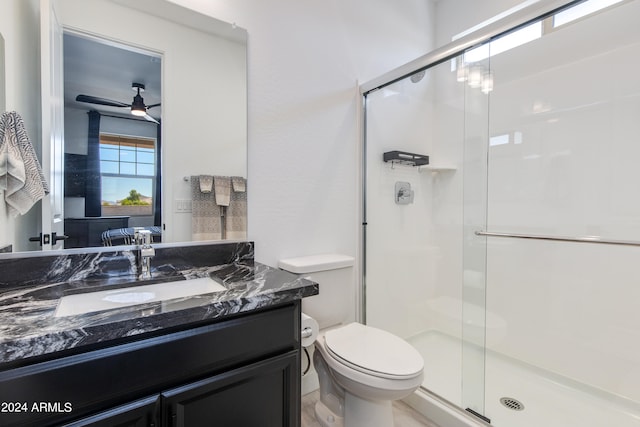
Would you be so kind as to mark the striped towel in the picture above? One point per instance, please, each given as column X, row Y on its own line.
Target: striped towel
column 237, row 211
column 21, row 175
column 206, row 221
column 222, row 185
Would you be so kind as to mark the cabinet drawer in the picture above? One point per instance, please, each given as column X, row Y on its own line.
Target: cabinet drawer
column 97, row 380
column 141, row 413
column 256, row 395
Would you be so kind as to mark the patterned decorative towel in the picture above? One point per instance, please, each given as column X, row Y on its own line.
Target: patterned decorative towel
column 237, row 211
column 239, row 184
column 222, row 186
column 21, row 175
column 206, row 183
column 206, row 222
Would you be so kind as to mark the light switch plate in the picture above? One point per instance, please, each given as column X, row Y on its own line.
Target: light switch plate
column 182, row 205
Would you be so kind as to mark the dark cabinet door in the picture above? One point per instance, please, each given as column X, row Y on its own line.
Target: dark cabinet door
column 263, row 394
column 141, row 413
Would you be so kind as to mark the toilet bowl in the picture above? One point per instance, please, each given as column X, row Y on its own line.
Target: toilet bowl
column 361, row 370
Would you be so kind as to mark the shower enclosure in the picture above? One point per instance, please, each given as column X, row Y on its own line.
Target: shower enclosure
column 511, row 260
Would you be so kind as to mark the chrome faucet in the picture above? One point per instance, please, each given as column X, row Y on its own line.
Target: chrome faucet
column 143, row 240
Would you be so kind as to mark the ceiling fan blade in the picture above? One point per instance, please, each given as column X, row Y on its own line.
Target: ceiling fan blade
column 153, row 105
column 151, row 119
column 100, row 101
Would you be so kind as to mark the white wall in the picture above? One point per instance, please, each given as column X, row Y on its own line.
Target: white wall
column 17, row 23
column 305, row 61
column 456, row 16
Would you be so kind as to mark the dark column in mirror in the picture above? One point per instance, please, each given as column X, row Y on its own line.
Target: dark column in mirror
column 93, row 191
column 157, row 199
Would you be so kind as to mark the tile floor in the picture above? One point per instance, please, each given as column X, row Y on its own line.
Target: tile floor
column 404, row 416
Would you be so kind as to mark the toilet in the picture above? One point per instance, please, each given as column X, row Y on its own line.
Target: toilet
column 361, row 369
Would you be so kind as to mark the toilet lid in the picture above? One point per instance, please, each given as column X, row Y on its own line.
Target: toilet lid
column 374, row 351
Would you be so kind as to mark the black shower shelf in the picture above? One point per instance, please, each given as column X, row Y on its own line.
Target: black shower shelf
column 404, row 158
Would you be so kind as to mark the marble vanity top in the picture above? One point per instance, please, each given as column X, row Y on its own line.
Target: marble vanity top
column 30, row 328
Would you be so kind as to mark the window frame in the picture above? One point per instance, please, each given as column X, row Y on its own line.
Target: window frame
column 136, row 142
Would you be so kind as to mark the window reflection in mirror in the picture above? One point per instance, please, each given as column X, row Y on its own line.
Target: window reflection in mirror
column 127, row 172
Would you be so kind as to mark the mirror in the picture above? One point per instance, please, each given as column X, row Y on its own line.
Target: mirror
column 112, row 158
column 201, row 86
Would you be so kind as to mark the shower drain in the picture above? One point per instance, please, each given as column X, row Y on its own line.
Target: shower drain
column 512, row 403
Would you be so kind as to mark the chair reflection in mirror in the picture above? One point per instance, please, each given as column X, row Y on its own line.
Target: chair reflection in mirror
column 126, row 236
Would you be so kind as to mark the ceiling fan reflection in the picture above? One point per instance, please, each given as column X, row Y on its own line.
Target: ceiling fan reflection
column 138, row 107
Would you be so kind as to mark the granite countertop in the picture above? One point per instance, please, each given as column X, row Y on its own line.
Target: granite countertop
column 29, row 328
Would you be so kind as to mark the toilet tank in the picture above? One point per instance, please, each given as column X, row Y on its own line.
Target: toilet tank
column 335, row 304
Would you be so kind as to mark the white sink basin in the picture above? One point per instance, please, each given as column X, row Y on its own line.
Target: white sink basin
column 70, row 305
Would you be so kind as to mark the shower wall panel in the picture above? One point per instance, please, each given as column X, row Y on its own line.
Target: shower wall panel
column 400, row 245
column 414, row 252
column 569, row 109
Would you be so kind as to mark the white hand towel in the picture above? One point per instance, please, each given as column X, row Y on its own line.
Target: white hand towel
column 12, row 173
column 222, row 186
column 239, row 184
column 23, row 177
column 206, row 183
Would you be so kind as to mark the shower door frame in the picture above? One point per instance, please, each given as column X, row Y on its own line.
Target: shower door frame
column 514, row 21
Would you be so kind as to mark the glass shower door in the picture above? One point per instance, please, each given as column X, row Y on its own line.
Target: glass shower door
column 424, row 272
column 533, row 134
column 563, row 321
column 474, row 74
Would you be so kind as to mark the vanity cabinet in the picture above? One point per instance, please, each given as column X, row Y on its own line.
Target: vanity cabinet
column 250, row 396
column 242, row 371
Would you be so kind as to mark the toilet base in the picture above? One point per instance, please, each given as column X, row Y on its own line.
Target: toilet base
column 371, row 413
column 358, row 412
column 326, row 418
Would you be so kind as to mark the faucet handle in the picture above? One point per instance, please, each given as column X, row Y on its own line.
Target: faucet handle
column 146, row 251
column 144, row 237
column 137, row 239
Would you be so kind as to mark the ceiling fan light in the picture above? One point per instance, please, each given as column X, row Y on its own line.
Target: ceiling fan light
column 137, row 111
column 138, row 108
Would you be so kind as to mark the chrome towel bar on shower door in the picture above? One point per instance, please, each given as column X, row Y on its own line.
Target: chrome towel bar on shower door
column 585, row 239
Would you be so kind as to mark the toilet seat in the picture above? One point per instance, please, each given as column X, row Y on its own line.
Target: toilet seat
column 373, row 351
